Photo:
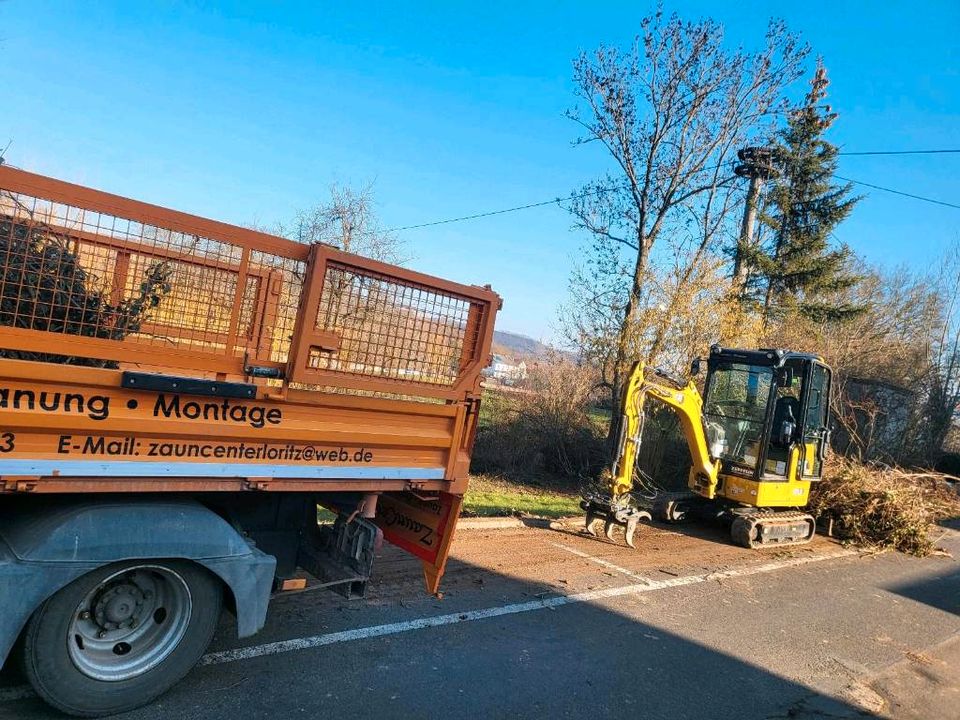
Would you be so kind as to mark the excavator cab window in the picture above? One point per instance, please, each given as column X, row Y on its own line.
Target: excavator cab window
column 815, row 421
column 735, row 409
column 785, row 428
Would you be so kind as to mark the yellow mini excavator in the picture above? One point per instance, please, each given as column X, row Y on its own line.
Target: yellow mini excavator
column 757, row 438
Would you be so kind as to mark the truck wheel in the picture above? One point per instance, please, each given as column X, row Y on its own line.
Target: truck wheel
column 121, row 635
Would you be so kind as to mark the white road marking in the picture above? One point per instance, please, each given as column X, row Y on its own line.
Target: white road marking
column 604, row 563
column 23, row 692
column 284, row 646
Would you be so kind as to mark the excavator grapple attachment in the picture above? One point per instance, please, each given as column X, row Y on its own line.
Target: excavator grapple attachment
column 608, row 529
column 613, row 515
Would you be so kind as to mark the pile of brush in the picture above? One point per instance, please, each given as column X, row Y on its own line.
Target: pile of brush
column 882, row 506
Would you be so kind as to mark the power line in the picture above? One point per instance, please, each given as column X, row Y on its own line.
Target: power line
column 489, row 213
column 600, row 191
column 476, row 215
column 900, row 152
column 555, row 201
column 897, row 192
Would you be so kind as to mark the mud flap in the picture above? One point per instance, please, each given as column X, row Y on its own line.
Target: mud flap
column 422, row 527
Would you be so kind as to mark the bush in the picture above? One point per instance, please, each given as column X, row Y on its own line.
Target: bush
column 44, row 287
column 883, row 506
column 544, row 427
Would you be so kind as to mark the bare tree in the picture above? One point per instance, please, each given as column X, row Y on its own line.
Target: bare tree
column 896, row 364
column 670, row 112
column 347, row 220
column 942, row 389
column 877, row 355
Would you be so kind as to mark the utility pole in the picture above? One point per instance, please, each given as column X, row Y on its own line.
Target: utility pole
column 756, row 163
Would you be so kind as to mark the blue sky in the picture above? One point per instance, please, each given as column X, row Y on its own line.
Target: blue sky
column 246, row 111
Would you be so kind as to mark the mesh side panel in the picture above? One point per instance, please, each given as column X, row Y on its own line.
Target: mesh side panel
column 72, row 271
column 212, row 298
column 286, row 278
column 390, row 328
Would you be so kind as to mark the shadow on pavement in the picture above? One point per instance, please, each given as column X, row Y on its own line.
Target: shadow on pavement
column 577, row 660
column 940, row 591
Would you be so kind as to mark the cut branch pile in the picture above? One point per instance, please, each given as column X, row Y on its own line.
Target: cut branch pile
column 884, row 507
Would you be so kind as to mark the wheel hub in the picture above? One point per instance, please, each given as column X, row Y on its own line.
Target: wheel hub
column 130, row 623
column 119, row 606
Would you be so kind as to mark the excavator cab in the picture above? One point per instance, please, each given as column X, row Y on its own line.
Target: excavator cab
column 765, row 414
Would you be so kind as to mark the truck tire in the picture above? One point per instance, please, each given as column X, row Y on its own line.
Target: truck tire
column 118, row 637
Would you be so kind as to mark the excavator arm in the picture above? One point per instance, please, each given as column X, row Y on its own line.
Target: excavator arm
column 686, row 401
column 614, row 504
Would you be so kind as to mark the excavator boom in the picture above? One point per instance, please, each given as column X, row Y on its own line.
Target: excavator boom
column 615, row 505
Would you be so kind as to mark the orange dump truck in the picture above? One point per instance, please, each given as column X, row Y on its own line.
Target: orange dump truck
column 177, row 398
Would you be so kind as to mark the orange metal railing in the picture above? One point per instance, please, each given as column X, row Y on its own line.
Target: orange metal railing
column 96, row 279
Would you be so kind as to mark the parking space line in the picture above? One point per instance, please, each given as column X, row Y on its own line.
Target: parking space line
column 604, row 563
column 647, row 585
column 307, row 643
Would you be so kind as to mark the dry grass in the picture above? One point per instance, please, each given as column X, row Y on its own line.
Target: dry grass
column 497, row 496
column 883, row 506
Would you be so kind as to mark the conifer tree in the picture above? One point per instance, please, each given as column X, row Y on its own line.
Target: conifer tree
column 798, row 269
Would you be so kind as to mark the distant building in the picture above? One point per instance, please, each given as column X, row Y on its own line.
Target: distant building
column 506, row 372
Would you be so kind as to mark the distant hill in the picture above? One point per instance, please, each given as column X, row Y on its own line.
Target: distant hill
column 519, row 345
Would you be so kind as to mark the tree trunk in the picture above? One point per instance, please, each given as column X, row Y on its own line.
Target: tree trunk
column 622, row 361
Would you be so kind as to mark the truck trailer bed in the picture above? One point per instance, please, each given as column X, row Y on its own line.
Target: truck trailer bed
column 175, row 389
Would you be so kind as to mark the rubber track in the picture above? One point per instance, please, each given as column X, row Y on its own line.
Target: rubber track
column 743, row 533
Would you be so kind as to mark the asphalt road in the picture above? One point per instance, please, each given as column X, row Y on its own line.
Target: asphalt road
column 539, row 623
